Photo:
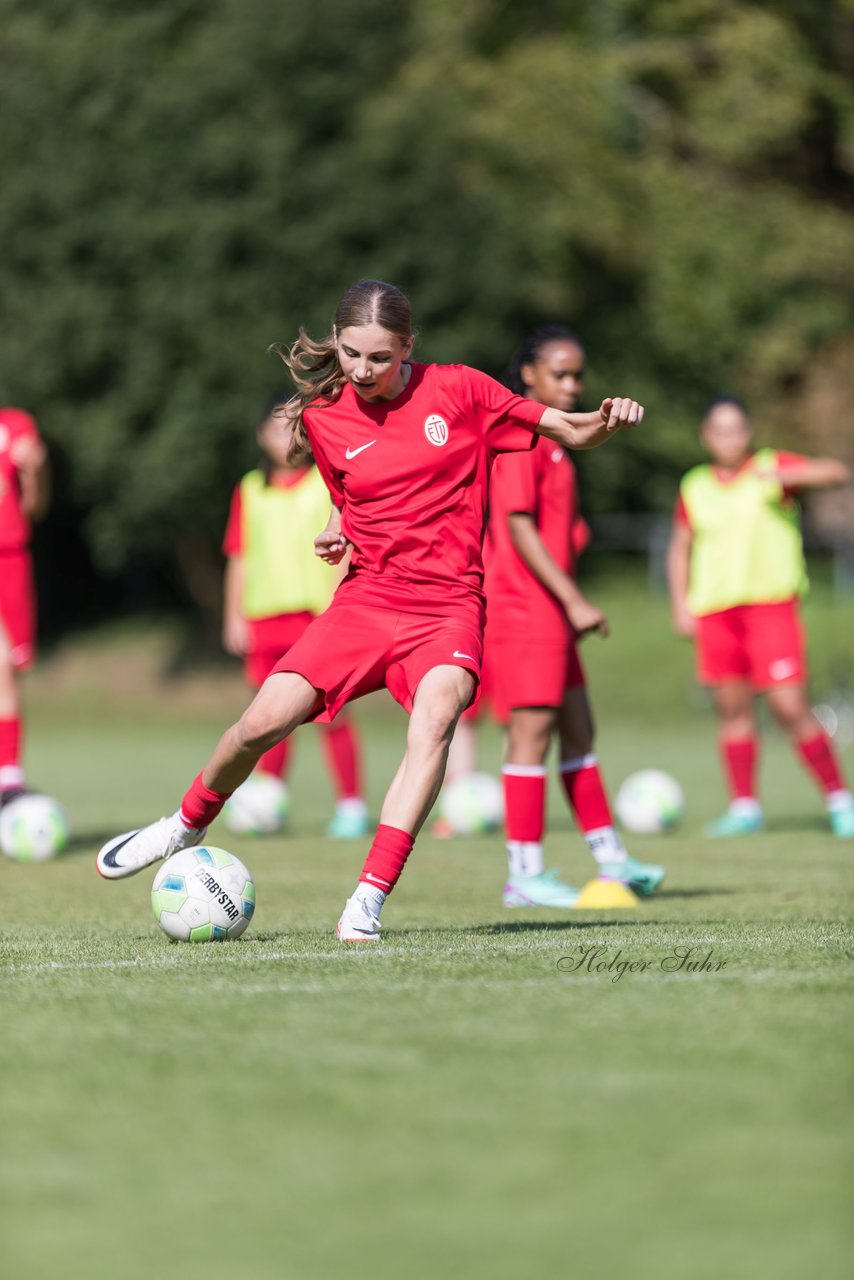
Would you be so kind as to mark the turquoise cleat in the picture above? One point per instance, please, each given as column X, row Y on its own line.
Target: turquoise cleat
column 544, row 890
column 736, row 822
column 842, row 820
column 349, row 822
column 642, row 877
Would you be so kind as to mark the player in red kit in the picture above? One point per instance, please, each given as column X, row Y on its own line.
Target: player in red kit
column 406, row 451
column 536, row 616
column 24, row 498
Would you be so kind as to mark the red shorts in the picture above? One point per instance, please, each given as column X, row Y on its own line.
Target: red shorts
column 18, row 606
column 526, row 675
column 762, row 644
column 358, row 646
column 269, row 640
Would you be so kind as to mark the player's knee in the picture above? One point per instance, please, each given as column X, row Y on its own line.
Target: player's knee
column 255, row 731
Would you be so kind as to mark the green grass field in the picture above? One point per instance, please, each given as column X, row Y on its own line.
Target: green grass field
column 453, row 1097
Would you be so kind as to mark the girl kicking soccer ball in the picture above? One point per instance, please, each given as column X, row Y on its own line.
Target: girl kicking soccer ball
column 406, row 451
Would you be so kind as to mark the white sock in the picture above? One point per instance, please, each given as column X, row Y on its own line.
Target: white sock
column 179, row 817
column 605, row 845
column 838, row 800
column 371, row 896
column 11, row 775
column 746, row 807
column 354, row 805
column 525, row 859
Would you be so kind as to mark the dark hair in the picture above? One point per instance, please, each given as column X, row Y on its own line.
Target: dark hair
column 314, row 365
column 717, row 401
column 531, row 349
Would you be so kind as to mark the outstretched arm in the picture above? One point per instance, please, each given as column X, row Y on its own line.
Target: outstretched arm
column 810, row 473
column 587, row 430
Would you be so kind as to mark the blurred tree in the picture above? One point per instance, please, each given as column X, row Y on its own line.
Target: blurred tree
column 187, row 182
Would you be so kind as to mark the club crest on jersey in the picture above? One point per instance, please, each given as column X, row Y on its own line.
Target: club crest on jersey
column 436, row 429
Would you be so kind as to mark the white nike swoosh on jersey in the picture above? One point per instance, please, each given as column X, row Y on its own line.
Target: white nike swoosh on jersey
column 369, row 875
column 351, row 453
column 457, row 654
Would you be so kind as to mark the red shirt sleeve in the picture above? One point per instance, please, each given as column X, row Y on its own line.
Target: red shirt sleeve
column 785, row 460
column 514, row 484
column 331, row 477
column 21, row 425
column 507, row 420
column 580, row 536
column 232, row 543
column 680, row 512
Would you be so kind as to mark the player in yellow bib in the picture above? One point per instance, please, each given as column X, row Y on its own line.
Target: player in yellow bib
column 736, row 571
column 274, row 586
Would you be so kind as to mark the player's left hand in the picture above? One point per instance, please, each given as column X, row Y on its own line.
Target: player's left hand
column 617, row 412
column 585, row 618
column 331, row 546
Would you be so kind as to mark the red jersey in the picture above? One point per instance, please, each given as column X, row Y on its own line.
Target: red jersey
column 14, row 525
column 541, row 484
column 411, row 476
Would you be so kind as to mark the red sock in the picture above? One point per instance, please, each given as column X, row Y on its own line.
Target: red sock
column 739, row 762
column 524, row 802
column 343, row 758
column 820, row 759
column 10, row 742
column 11, row 773
column 201, row 805
column 387, row 858
column 586, row 793
column 275, row 761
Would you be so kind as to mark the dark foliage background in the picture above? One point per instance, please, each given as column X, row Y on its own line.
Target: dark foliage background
column 186, row 181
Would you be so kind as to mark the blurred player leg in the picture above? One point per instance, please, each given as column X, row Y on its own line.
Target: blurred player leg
column 739, row 749
column 524, row 778
column 791, row 708
column 585, row 791
column 343, row 752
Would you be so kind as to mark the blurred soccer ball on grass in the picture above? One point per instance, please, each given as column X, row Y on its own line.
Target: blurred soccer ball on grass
column 649, row 802
column 473, row 804
column 33, row 828
column 259, row 807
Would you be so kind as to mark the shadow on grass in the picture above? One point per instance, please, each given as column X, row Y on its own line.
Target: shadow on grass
column 90, row 842
column 664, row 894
column 815, row 822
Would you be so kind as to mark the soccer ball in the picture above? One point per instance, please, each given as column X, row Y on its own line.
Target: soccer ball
column 203, row 895
column 259, row 807
column 33, row 828
column 649, row 802
column 473, row 804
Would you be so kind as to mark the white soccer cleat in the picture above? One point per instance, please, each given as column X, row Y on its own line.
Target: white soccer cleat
column 127, row 854
column 358, row 922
